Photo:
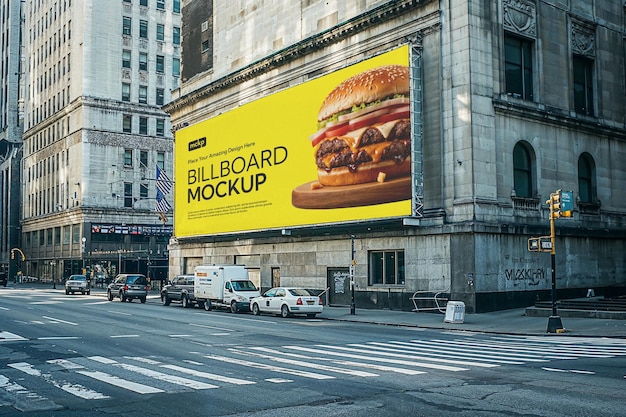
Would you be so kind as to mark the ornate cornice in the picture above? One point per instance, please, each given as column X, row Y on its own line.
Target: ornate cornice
column 583, row 38
column 381, row 14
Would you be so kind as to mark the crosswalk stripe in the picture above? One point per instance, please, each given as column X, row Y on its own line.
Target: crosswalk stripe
column 119, row 382
column 28, row 400
column 74, row 389
column 551, row 352
column 269, row 367
column 356, row 364
column 439, row 350
column 383, row 352
column 206, row 375
column 304, row 364
column 185, row 382
column 375, row 359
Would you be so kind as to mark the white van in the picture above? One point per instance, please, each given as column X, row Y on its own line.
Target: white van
column 224, row 286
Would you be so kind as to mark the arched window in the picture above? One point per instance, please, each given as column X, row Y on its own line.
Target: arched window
column 522, row 171
column 586, row 178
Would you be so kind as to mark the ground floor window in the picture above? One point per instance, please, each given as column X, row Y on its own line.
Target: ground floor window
column 386, row 267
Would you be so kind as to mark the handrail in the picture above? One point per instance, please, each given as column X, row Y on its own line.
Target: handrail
column 438, row 298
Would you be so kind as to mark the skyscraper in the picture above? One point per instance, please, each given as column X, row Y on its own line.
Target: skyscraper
column 97, row 75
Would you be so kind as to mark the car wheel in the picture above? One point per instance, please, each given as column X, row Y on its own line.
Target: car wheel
column 284, row 311
column 233, row 307
column 143, row 300
column 109, row 295
column 207, row 305
column 67, row 292
column 310, row 316
column 122, row 297
column 88, row 292
column 255, row 309
column 184, row 301
column 82, row 292
column 165, row 299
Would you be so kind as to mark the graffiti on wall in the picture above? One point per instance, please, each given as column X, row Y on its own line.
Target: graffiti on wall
column 530, row 276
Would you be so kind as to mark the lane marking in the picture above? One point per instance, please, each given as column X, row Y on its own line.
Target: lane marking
column 281, row 380
column 120, row 336
column 210, row 327
column 8, row 337
column 60, row 321
column 58, row 338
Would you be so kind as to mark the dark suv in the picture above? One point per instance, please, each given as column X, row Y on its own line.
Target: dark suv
column 128, row 287
column 180, row 289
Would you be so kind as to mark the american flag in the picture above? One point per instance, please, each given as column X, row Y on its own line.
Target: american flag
column 164, row 186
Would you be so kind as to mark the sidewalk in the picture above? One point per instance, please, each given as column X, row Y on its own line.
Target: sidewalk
column 512, row 321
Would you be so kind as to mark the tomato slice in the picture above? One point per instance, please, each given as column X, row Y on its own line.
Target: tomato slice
column 317, row 136
column 405, row 114
column 338, row 130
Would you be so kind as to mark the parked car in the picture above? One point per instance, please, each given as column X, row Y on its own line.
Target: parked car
column 128, row 287
column 77, row 283
column 180, row 289
column 4, row 279
column 287, row 301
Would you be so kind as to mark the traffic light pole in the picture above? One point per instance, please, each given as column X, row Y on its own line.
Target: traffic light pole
column 554, row 321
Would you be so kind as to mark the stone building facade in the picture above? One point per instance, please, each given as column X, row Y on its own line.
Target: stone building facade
column 97, row 76
column 511, row 101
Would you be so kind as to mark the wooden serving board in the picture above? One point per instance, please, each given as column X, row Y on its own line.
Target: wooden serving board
column 351, row 195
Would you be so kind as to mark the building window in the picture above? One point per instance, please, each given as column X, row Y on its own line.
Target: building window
column 160, row 127
column 143, row 3
column 127, row 24
column 583, row 85
column 128, row 194
column 522, row 171
column 176, row 6
column 176, row 67
column 143, row 29
column 143, row 94
column 518, row 65
column 160, row 63
column 160, row 94
column 205, row 46
column 143, row 159
column 125, row 92
column 176, row 35
column 143, row 61
column 143, row 125
column 127, row 1
column 160, row 32
column 586, row 179
column 143, row 191
column 125, row 59
column 127, row 124
column 160, row 4
column 386, row 267
column 128, row 157
column 161, row 160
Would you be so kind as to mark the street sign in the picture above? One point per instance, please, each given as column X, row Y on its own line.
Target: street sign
column 540, row 244
column 567, row 203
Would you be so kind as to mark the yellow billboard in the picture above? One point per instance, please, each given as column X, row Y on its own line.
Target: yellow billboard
column 333, row 149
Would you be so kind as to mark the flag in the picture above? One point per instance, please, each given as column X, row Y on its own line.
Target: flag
column 164, row 186
column 163, row 183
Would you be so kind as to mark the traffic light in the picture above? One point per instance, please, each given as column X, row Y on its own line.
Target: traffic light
column 554, row 203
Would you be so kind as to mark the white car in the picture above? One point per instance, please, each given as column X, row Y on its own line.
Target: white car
column 287, row 301
column 77, row 283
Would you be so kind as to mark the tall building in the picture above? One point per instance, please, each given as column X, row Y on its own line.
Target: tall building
column 97, row 75
column 507, row 102
column 11, row 127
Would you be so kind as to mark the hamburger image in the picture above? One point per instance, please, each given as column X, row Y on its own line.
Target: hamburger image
column 364, row 131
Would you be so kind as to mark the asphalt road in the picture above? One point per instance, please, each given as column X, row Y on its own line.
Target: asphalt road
column 73, row 355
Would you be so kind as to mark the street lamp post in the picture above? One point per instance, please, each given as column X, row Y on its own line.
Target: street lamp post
column 352, row 265
column 82, row 253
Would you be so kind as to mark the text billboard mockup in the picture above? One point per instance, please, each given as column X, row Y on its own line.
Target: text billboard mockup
column 306, row 155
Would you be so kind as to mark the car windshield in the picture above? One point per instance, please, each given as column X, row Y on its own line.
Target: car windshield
column 299, row 292
column 243, row 286
column 78, row 278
